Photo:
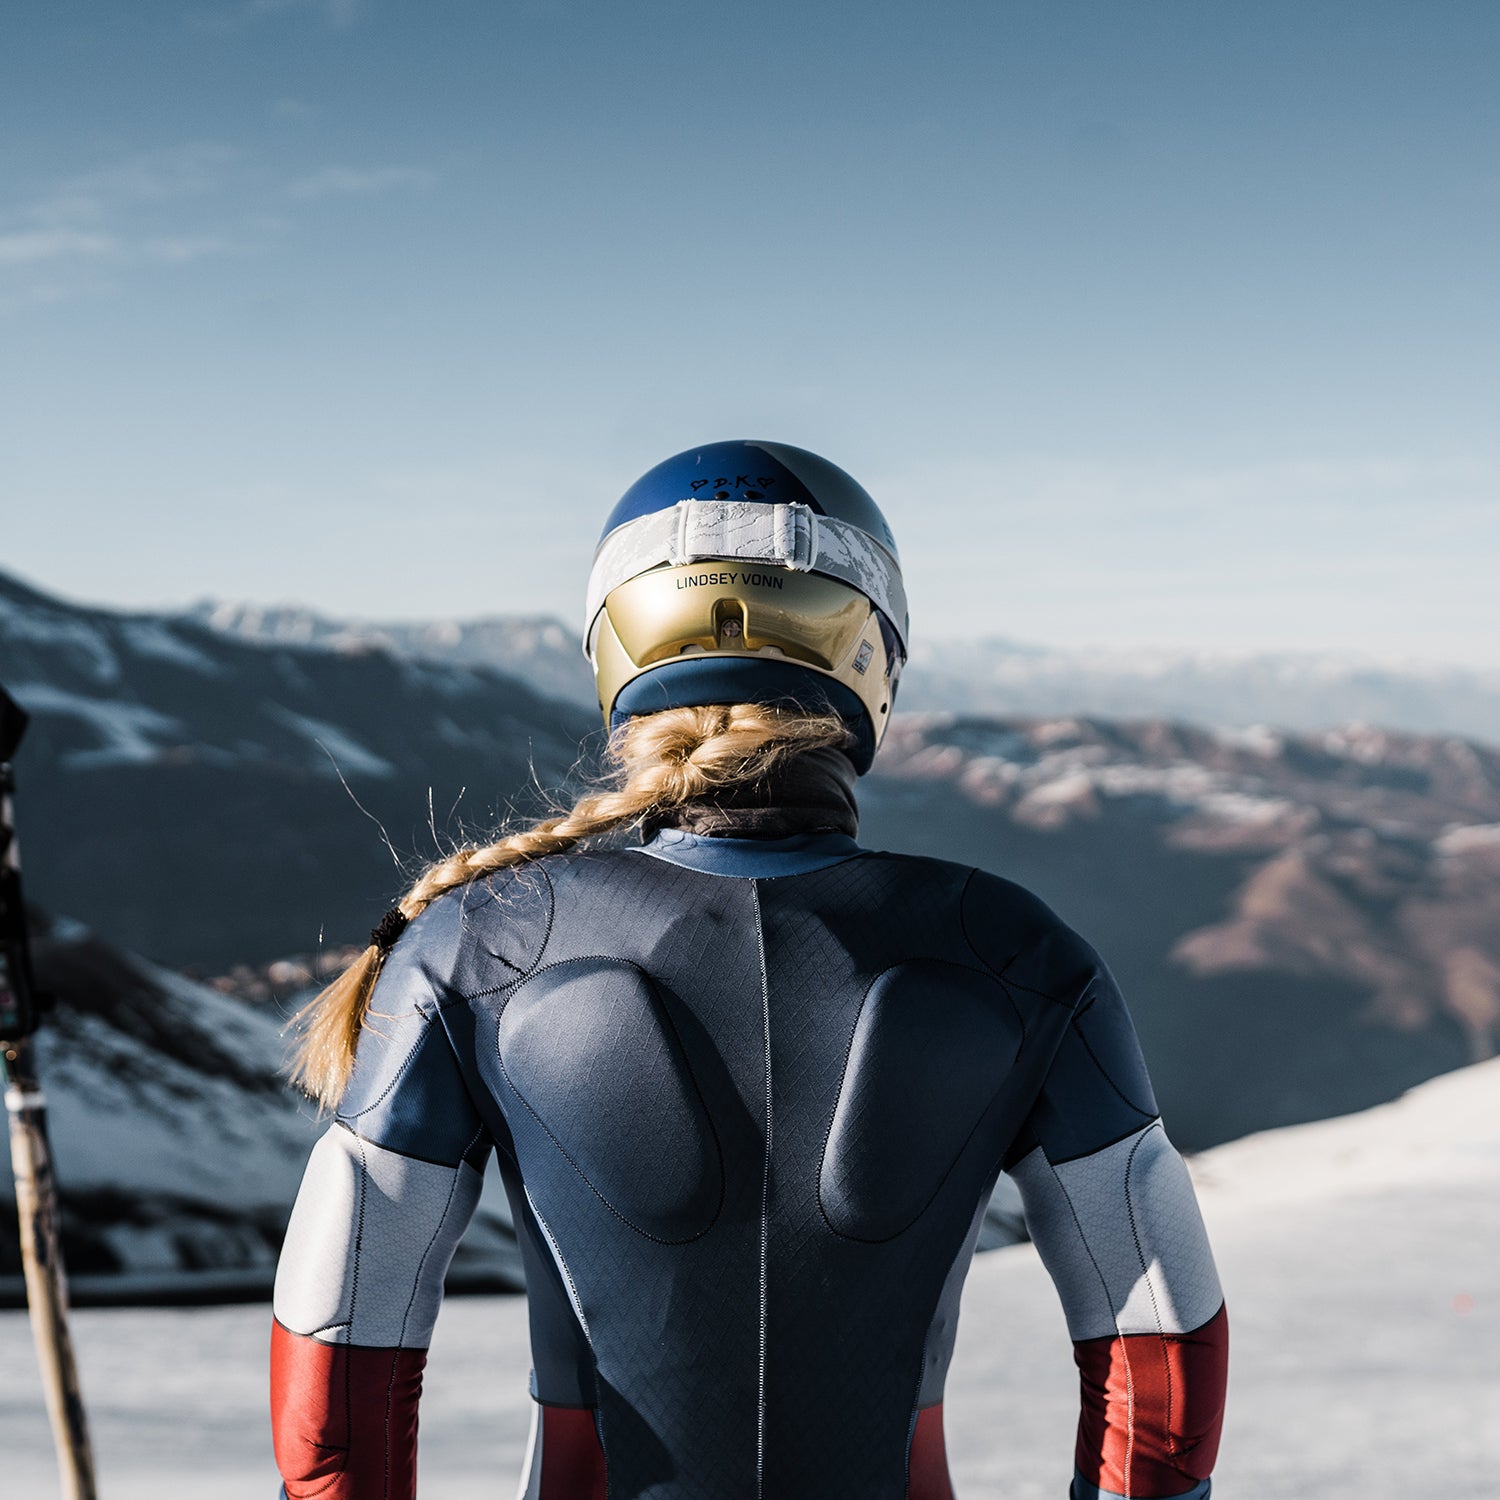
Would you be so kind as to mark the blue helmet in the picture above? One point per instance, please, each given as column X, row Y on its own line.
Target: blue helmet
column 748, row 572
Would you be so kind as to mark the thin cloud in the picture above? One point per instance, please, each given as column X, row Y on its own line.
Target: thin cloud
column 39, row 294
column 32, row 246
column 168, row 209
column 182, row 249
column 165, row 209
column 225, row 19
column 196, row 169
column 360, row 182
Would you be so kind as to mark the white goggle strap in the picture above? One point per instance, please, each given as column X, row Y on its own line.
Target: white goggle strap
column 789, row 536
column 781, row 534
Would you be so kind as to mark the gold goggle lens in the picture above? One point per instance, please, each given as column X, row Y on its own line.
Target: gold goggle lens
column 731, row 608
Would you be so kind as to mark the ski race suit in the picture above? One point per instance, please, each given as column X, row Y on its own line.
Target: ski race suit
column 749, row 1097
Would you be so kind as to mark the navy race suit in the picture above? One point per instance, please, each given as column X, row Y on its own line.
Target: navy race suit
column 750, row 1097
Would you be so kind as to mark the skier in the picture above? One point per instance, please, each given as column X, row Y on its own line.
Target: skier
column 750, row 1085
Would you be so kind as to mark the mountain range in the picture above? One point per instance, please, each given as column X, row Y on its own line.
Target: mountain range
column 203, row 799
column 1296, row 690
column 1304, row 921
column 1304, row 924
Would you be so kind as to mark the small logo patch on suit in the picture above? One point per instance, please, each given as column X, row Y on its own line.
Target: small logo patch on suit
column 862, row 660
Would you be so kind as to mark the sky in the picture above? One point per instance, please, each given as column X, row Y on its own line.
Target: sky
column 1169, row 324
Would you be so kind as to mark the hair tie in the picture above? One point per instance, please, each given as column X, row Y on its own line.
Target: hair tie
column 383, row 936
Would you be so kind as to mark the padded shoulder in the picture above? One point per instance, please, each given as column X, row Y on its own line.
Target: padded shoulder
column 406, row 1092
column 1019, row 937
column 932, row 1048
column 590, row 1051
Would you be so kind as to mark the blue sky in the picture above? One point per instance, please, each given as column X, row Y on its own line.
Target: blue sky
column 1163, row 323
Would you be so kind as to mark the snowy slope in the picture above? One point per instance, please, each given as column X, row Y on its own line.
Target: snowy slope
column 178, row 1145
column 206, row 801
column 541, row 651
column 1357, row 1255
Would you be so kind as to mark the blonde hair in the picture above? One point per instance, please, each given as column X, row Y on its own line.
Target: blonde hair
column 659, row 761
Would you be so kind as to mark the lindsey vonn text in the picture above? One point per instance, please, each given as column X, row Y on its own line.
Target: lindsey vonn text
column 719, row 580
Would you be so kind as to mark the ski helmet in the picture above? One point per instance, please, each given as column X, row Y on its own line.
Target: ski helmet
column 748, row 572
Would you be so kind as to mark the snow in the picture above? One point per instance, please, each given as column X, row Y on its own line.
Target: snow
column 154, row 638
column 1258, row 739
column 1357, row 1256
column 198, row 1143
column 126, row 729
column 1463, row 840
column 1242, row 807
column 50, row 628
column 346, row 753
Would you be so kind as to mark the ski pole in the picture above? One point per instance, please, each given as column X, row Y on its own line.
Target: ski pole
column 30, row 1154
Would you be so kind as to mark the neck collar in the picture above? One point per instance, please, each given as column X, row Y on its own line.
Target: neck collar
column 751, row 859
column 812, row 792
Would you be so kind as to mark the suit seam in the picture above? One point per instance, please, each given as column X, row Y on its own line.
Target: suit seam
column 990, row 972
column 427, row 1161
column 1027, row 989
column 999, row 974
column 1124, row 1135
column 416, row 1280
column 535, row 972
column 1088, row 1250
column 1088, row 998
column 1145, row 1114
column 1161, row 1334
column 390, row 1401
column 765, row 1203
column 916, row 1398
column 566, row 1271
column 464, row 997
column 1083, row 1239
column 401, row 1072
column 359, row 1235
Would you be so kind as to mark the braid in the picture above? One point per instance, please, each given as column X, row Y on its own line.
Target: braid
column 660, row 761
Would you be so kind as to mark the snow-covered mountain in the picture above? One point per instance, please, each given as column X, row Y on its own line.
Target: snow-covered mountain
column 180, row 789
column 1306, row 690
column 539, row 650
column 1304, row 924
column 178, row 1145
column 1296, row 690
column 1304, row 921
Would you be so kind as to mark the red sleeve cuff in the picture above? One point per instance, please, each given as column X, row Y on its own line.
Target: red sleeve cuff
column 344, row 1420
column 1152, row 1408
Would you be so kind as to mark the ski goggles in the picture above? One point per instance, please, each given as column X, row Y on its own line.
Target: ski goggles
column 791, row 536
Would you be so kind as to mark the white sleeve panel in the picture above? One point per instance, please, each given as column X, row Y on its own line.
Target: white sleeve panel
column 369, row 1243
column 1120, row 1233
